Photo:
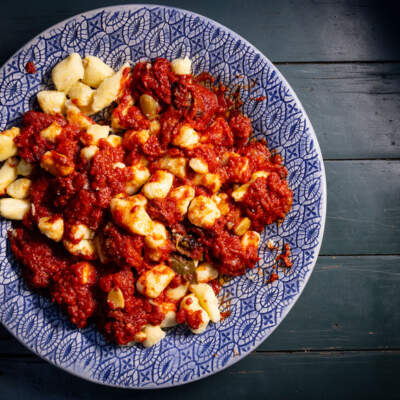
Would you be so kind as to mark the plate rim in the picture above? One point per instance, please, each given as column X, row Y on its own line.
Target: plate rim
column 316, row 250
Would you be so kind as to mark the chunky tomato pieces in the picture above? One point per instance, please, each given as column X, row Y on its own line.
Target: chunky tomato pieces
column 104, row 289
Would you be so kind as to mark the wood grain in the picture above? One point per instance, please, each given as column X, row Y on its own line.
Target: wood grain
column 357, row 309
column 354, row 108
column 304, row 30
column 363, row 208
column 325, row 375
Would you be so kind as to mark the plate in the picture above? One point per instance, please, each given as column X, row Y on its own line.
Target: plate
column 140, row 32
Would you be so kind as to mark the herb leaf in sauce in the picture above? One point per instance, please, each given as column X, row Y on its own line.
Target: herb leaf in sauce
column 183, row 266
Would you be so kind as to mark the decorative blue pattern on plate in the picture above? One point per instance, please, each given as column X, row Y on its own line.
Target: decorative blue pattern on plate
column 136, row 33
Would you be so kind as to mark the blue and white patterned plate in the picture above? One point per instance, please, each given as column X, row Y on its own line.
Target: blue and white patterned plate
column 139, row 32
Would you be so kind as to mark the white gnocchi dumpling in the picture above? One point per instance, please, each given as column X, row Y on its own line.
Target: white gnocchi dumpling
column 51, row 101
column 152, row 334
column 205, row 272
column 94, row 133
column 89, row 152
column 76, row 116
column 140, row 175
column 198, row 165
column 131, row 214
column 169, row 310
column 108, row 91
column 14, row 208
column 8, row 148
column 8, row 174
column 85, row 248
column 56, row 163
column 67, row 72
column 153, row 282
column 95, row 71
column 52, row 132
column 159, row 185
column 182, row 66
column 175, row 165
column 222, row 202
column 81, row 94
column 52, row 227
column 207, row 300
column 141, row 136
column 81, row 231
column 191, row 305
column 182, row 195
column 158, row 236
column 114, row 140
column 186, row 138
column 203, row 212
column 20, row 188
column 250, row 239
column 210, row 181
column 176, row 293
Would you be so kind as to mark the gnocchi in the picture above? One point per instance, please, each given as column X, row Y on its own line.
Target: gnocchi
column 14, row 209
column 153, row 188
column 8, row 147
column 8, row 174
column 152, row 282
column 51, row 101
column 20, row 188
column 207, row 300
column 52, row 227
column 182, row 66
column 108, row 91
column 67, row 72
column 95, row 71
column 187, row 137
column 190, row 304
column 159, row 185
column 203, row 212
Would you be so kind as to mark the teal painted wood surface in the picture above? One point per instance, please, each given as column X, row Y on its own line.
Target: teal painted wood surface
column 323, row 375
column 354, row 108
column 341, row 339
column 285, row 30
column 363, row 207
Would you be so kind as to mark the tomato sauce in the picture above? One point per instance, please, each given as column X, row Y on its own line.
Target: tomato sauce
column 83, row 196
column 30, row 67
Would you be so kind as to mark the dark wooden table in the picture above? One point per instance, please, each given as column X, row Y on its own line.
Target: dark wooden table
column 342, row 339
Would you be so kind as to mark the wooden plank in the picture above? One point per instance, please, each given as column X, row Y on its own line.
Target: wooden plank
column 348, row 375
column 285, row 31
column 352, row 107
column 363, row 208
column 350, row 303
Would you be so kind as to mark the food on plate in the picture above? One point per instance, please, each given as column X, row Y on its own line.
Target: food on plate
column 129, row 218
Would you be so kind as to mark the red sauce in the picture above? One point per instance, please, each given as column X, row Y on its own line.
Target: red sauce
column 165, row 211
column 31, row 146
column 273, row 277
column 123, row 249
column 41, row 259
column 267, row 200
column 284, row 256
column 30, row 67
column 122, row 325
column 73, row 295
column 193, row 319
column 84, row 197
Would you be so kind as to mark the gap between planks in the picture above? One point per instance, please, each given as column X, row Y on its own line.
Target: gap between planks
column 361, row 62
column 325, row 352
